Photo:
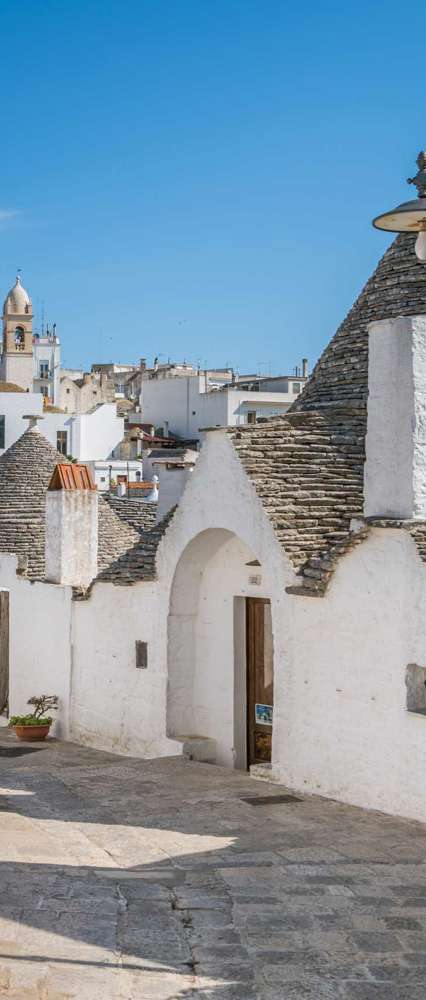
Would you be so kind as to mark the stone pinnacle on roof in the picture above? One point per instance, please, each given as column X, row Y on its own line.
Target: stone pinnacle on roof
column 410, row 217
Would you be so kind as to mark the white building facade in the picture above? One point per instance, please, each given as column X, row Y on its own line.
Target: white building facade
column 185, row 404
column 86, row 437
column 46, row 365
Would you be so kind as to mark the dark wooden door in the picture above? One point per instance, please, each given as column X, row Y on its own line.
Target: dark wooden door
column 260, row 680
column 4, row 649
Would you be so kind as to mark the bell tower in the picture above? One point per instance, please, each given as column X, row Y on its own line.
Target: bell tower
column 17, row 350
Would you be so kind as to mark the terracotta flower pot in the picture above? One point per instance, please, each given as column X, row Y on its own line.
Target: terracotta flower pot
column 32, row 733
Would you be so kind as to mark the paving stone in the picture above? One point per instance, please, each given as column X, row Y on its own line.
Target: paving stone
column 381, row 991
column 380, row 941
column 126, row 887
column 402, row 924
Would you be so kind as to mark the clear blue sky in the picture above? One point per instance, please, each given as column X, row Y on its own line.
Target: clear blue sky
column 196, row 178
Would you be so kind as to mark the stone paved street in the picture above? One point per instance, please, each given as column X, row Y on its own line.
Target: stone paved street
column 132, row 879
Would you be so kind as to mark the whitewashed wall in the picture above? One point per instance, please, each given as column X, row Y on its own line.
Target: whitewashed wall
column 39, row 642
column 95, row 435
column 13, row 406
column 345, row 731
column 120, row 707
column 116, row 705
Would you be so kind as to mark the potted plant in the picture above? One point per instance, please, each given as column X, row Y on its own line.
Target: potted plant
column 36, row 725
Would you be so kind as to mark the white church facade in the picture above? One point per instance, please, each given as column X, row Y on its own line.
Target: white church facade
column 274, row 619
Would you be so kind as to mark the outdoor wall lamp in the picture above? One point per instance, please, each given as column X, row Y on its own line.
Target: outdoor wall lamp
column 410, row 217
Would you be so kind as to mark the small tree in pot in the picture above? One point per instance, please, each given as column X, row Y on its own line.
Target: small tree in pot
column 36, row 725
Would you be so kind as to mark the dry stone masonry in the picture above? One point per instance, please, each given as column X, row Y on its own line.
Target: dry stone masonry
column 308, row 466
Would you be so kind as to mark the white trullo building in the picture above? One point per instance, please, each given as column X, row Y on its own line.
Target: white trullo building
column 275, row 618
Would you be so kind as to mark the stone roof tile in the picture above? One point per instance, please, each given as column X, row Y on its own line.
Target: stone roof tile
column 140, row 514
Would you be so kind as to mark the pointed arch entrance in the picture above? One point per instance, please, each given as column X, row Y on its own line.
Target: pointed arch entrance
column 210, row 634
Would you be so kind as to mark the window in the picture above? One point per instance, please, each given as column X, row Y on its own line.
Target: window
column 103, row 479
column 44, row 369
column 251, row 417
column 44, row 390
column 2, row 428
column 296, row 387
column 138, row 477
column 68, row 391
column 141, row 649
column 19, row 338
column 61, row 442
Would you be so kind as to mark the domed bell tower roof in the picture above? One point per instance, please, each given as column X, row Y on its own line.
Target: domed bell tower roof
column 17, row 301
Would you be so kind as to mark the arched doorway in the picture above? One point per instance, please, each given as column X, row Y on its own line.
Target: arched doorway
column 218, row 592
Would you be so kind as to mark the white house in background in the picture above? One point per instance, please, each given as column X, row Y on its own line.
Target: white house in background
column 185, row 403
column 109, row 474
column 46, row 365
column 87, row 437
column 96, row 434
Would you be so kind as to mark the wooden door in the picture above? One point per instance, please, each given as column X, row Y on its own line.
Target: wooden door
column 260, row 680
column 4, row 649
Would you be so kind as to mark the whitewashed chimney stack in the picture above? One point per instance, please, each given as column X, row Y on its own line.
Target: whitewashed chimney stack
column 395, row 468
column 71, row 545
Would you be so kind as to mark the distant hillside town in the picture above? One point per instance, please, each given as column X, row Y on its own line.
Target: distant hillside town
column 121, row 419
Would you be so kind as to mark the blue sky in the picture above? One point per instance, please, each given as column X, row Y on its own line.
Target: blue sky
column 197, row 179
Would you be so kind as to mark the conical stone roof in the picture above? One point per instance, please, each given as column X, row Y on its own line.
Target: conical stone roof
column 397, row 288
column 25, row 472
column 307, row 467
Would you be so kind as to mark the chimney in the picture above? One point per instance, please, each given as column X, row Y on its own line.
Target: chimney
column 152, row 496
column 71, row 543
column 173, row 472
column 395, row 468
column 305, row 367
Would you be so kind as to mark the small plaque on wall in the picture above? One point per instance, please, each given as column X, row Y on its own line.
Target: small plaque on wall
column 141, row 654
column 263, row 715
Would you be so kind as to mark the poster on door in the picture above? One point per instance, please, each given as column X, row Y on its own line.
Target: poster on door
column 263, row 715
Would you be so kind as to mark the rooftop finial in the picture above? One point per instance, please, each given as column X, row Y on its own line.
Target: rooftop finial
column 32, row 418
column 420, row 179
